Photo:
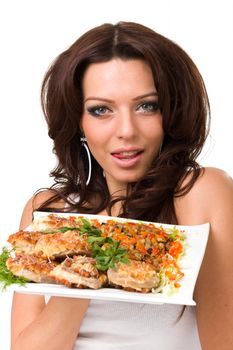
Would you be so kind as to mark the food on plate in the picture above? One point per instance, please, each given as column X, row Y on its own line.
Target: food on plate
column 89, row 252
column 59, row 245
column 53, row 221
column 24, row 241
column 79, row 272
column 144, row 242
column 30, row 267
column 137, row 275
column 50, row 246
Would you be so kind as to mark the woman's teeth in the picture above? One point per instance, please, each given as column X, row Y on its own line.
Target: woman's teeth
column 130, row 154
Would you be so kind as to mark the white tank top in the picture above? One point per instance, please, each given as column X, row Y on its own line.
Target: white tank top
column 133, row 326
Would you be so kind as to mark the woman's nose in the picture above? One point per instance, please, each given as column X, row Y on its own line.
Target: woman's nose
column 126, row 126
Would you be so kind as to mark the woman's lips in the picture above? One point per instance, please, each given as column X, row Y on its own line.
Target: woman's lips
column 127, row 158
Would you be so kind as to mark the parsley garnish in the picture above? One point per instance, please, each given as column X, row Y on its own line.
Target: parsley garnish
column 89, row 229
column 60, row 229
column 6, row 276
column 107, row 257
column 85, row 228
column 105, row 250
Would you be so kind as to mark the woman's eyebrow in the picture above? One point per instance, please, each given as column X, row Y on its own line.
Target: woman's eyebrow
column 154, row 93
column 98, row 99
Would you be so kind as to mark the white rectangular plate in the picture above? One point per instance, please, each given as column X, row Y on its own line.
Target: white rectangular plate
column 190, row 263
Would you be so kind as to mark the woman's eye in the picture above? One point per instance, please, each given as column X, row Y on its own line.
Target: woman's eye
column 98, row 110
column 149, row 107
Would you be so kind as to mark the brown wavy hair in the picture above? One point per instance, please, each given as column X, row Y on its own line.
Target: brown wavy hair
column 184, row 106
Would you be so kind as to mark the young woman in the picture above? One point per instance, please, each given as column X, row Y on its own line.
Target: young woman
column 139, row 104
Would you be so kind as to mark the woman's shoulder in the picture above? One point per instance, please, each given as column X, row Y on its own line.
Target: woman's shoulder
column 211, row 193
column 34, row 203
column 212, row 181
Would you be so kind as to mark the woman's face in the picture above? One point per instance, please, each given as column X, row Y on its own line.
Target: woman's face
column 121, row 120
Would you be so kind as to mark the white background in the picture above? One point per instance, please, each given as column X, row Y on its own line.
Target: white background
column 33, row 33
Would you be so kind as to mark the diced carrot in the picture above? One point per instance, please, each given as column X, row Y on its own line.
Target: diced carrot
column 177, row 285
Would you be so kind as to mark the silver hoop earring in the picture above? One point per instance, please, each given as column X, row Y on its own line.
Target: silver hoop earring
column 83, row 140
